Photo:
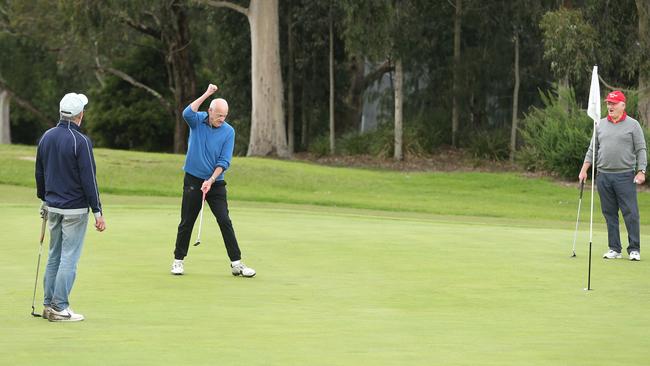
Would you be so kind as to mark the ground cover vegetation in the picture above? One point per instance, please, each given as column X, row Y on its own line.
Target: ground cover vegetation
column 479, row 274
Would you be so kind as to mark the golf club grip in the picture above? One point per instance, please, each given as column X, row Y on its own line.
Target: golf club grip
column 582, row 188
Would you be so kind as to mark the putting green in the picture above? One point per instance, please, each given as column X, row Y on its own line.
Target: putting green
column 334, row 287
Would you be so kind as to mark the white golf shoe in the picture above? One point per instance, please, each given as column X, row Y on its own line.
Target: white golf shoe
column 240, row 269
column 66, row 315
column 612, row 254
column 46, row 312
column 635, row 256
column 177, row 267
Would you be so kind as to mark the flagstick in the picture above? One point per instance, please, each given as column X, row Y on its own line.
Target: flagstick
column 594, row 112
column 591, row 215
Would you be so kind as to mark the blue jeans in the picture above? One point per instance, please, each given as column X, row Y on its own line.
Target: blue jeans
column 617, row 191
column 67, row 234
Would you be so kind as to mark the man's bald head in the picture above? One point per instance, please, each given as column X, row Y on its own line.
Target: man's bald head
column 217, row 112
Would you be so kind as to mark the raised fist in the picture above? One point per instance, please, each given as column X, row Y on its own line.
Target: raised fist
column 211, row 89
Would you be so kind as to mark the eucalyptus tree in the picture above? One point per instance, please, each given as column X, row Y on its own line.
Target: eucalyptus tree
column 643, row 7
column 111, row 25
column 569, row 44
column 268, row 132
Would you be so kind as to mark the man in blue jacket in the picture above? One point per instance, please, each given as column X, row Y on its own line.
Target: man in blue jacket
column 67, row 185
column 209, row 152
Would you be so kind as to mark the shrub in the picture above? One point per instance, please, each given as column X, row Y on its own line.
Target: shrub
column 556, row 137
column 320, row 146
column 355, row 143
column 493, row 144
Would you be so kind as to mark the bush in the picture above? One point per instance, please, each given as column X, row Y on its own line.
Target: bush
column 556, row 137
column 493, row 145
column 320, row 146
column 355, row 143
column 383, row 141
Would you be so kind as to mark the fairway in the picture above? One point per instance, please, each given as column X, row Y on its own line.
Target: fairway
column 334, row 287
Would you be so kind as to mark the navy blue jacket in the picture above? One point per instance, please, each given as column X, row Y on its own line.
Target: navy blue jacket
column 65, row 169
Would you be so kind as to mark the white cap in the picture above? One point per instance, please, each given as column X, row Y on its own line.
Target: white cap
column 72, row 104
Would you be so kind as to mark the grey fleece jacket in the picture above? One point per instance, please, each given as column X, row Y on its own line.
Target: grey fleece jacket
column 620, row 147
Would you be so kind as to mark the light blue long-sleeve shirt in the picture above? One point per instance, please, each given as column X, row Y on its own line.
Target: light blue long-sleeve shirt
column 208, row 147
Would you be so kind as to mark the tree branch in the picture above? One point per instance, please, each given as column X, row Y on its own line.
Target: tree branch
column 377, row 73
column 129, row 79
column 224, row 4
column 27, row 105
column 142, row 28
column 621, row 89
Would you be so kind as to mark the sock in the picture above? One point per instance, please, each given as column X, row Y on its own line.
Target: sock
column 232, row 264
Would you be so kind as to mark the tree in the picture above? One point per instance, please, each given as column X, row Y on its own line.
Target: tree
column 331, row 72
column 643, row 7
column 268, row 133
column 458, row 14
column 167, row 23
column 5, row 131
column 569, row 44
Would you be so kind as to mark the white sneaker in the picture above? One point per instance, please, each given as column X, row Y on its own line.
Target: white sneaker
column 66, row 315
column 612, row 254
column 635, row 256
column 177, row 267
column 241, row 270
column 46, row 312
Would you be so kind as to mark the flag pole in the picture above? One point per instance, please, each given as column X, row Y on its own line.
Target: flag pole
column 594, row 112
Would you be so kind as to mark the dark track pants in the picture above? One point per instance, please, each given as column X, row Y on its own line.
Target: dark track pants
column 618, row 191
column 190, row 208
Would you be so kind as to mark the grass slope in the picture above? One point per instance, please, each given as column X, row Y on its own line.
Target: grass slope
column 354, row 267
column 500, row 195
column 334, row 287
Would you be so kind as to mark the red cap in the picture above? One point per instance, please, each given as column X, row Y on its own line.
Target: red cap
column 616, row 96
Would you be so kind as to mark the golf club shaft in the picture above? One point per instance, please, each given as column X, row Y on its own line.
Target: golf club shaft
column 589, row 273
column 38, row 265
column 575, row 233
column 198, row 237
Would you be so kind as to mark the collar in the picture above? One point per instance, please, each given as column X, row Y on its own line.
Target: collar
column 69, row 124
column 207, row 122
column 623, row 116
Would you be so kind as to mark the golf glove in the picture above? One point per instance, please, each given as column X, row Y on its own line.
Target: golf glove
column 43, row 210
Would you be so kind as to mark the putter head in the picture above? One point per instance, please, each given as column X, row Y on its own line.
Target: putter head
column 34, row 313
column 197, row 243
column 574, row 255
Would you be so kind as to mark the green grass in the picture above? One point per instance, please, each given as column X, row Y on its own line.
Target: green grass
column 499, row 195
column 482, row 278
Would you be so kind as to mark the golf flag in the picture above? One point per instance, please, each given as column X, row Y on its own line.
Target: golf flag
column 594, row 97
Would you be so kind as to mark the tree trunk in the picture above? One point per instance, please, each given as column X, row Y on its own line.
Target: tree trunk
column 456, row 87
column 515, row 103
column 359, row 81
column 304, row 130
column 267, row 123
column 399, row 94
column 643, row 7
column 5, row 127
column 331, row 70
column 177, row 39
column 290, row 97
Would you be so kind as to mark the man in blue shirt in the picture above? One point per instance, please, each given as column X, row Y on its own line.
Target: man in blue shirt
column 209, row 152
column 67, row 185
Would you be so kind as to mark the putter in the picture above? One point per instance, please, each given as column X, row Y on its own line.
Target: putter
column 38, row 264
column 575, row 233
column 198, row 237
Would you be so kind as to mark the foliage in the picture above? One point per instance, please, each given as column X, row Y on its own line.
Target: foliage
column 557, row 135
column 120, row 116
column 320, row 146
column 569, row 43
column 490, row 144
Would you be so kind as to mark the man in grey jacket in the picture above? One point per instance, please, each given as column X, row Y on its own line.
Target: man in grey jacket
column 621, row 163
